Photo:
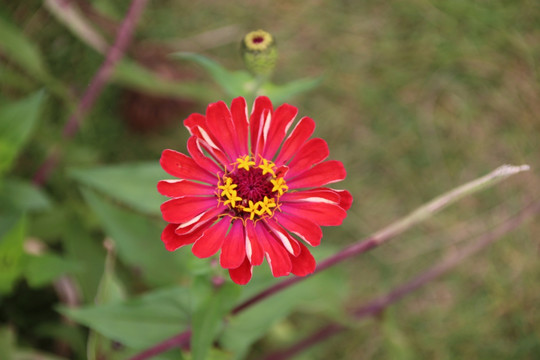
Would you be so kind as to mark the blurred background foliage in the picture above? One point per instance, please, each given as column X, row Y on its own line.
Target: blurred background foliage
column 415, row 97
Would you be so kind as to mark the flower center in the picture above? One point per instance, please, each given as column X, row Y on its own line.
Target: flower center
column 252, row 189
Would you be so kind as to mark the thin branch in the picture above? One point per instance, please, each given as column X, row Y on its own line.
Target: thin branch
column 378, row 304
column 98, row 82
column 115, row 53
column 417, row 216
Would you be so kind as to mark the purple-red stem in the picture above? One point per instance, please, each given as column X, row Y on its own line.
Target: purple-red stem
column 97, row 84
column 378, row 304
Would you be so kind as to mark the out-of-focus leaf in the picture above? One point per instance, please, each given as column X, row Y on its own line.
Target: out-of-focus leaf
column 11, row 254
column 208, row 318
column 17, row 120
column 110, row 291
column 130, row 74
column 43, row 269
column 253, row 323
column 234, row 83
column 14, row 80
column 139, row 322
column 15, row 46
column 132, row 184
column 281, row 93
column 81, row 247
column 137, row 241
column 21, row 195
column 397, row 346
column 7, row 340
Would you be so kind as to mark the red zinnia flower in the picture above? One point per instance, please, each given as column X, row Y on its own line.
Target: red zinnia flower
column 251, row 190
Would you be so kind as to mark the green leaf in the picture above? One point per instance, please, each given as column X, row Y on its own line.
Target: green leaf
column 15, row 46
column 130, row 74
column 253, row 323
column 43, row 269
column 17, row 120
column 11, row 253
column 132, row 184
column 7, row 342
column 137, row 241
column 21, row 195
column 208, row 318
column 140, row 322
column 397, row 344
column 234, row 83
column 110, row 291
column 281, row 93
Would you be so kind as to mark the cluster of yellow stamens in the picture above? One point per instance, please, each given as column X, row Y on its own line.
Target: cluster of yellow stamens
column 252, row 188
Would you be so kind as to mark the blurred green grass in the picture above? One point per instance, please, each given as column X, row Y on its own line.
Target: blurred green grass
column 418, row 96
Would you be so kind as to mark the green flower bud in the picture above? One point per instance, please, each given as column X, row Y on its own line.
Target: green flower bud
column 259, row 52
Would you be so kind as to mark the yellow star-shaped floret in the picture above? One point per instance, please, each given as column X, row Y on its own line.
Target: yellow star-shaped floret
column 232, row 198
column 267, row 166
column 279, row 185
column 245, row 162
column 265, row 206
column 227, row 187
column 252, row 209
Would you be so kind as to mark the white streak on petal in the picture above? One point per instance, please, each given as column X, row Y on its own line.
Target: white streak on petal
column 206, row 138
column 249, row 251
column 318, row 200
column 285, row 241
column 195, row 219
column 267, row 122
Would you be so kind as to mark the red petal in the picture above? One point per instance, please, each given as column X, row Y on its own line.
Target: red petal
column 254, row 251
column 173, row 241
column 312, row 195
column 304, row 264
column 219, row 120
column 239, row 115
column 290, row 243
column 311, row 153
column 205, row 218
column 261, row 114
column 242, row 274
column 197, row 126
column 321, row 174
column 194, row 149
column 212, row 239
column 321, row 213
column 184, row 167
column 233, row 251
column 306, row 229
column 345, row 200
column 277, row 129
column 178, row 188
column 276, row 255
column 183, row 209
column 301, row 132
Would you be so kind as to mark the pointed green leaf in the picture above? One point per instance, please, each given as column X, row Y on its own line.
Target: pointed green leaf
column 282, row 93
column 234, row 83
column 43, row 269
column 130, row 74
column 132, row 184
column 137, row 240
column 140, row 322
column 208, row 318
column 21, row 195
column 11, row 253
column 17, row 120
column 15, row 46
